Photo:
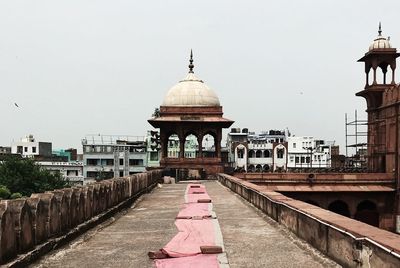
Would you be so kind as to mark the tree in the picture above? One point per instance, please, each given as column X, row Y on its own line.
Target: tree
column 24, row 176
column 4, row 192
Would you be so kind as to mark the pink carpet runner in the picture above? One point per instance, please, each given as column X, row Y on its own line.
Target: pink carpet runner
column 195, row 229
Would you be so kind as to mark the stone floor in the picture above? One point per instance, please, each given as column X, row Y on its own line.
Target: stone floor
column 250, row 238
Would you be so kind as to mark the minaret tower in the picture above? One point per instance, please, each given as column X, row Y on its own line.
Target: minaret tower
column 380, row 65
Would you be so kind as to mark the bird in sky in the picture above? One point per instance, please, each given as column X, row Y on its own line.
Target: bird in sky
column 16, row 105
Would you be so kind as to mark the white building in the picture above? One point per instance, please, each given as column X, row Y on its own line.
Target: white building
column 108, row 156
column 71, row 171
column 263, row 152
column 29, row 147
column 308, row 152
column 41, row 152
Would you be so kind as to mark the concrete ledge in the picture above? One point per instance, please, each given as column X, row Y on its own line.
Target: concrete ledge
column 348, row 242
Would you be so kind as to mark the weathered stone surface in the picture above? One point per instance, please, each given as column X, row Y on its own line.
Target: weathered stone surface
column 63, row 208
column 53, row 212
column 68, row 199
column 74, row 209
column 8, row 243
column 23, row 223
column 96, row 199
column 39, row 214
column 102, row 198
column 87, row 194
column 80, row 208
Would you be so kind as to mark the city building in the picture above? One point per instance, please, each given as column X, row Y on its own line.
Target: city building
column 29, row 147
column 70, row 171
column 251, row 152
column 108, row 156
column 71, row 153
column 308, row 152
column 152, row 149
column 62, row 161
column 5, row 150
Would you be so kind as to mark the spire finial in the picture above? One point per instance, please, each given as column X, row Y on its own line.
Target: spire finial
column 191, row 66
column 380, row 29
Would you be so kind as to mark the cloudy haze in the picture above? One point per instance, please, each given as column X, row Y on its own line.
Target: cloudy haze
column 84, row 67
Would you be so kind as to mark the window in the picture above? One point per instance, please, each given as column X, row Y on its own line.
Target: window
column 294, row 145
column 307, row 159
column 153, row 156
column 91, row 162
column 240, row 153
column 19, row 149
column 136, row 162
column 280, row 153
column 25, row 149
column 297, row 160
column 252, row 154
column 34, row 149
column 302, row 159
column 121, row 173
column 121, row 162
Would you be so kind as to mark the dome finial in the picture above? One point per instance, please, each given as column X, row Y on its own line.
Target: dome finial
column 191, row 66
column 380, row 29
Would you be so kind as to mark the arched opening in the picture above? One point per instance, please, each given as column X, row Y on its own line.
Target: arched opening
column 240, row 153
column 370, row 76
column 267, row 153
column 252, row 154
column 339, row 207
column 191, row 146
column 280, row 153
column 368, row 213
column 258, row 168
column 312, row 202
column 251, row 168
column 173, row 147
column 259, row 154
column 266, row 168
column 208, row 146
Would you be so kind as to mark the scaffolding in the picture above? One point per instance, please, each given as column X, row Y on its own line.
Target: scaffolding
column 356, row 132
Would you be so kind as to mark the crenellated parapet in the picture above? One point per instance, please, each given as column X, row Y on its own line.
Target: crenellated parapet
column 28, row 222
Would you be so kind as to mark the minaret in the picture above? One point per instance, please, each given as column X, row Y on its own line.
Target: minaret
column 379, row 57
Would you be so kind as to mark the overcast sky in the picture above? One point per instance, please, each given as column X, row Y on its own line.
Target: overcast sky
column 79, row 67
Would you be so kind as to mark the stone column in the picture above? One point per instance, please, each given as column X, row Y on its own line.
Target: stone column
column 217, row 142
column 181, row 147
column 200, row 142
column 393, row 67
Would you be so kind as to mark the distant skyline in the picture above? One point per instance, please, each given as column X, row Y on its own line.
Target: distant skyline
column 72, row 68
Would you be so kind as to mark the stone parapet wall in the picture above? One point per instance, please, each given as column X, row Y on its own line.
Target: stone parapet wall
column 320, row 177
column 26, row 223
column 348, row 242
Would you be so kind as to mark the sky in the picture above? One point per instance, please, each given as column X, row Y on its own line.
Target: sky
column 81, row 67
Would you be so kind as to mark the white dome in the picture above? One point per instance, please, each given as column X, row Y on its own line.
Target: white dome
column 191, row 91
column 380, row 42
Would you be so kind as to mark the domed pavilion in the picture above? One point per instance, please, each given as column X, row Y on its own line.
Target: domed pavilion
column 191, row 108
